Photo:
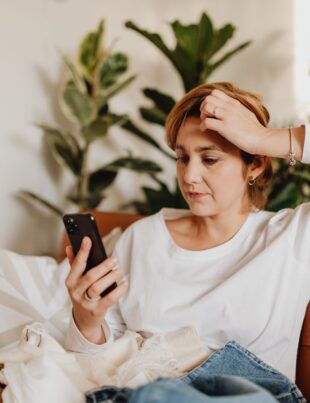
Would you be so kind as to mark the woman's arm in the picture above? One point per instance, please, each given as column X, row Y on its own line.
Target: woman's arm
column 112, row 327
column 237, row 124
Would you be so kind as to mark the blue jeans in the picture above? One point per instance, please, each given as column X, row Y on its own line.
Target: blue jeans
column 231, row 374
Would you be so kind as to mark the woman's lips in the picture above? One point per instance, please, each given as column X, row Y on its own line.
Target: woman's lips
column 197, row 195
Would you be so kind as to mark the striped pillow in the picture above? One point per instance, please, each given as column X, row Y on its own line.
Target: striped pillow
column 32, row 289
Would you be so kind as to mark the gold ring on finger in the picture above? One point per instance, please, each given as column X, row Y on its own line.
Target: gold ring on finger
column 91, row 299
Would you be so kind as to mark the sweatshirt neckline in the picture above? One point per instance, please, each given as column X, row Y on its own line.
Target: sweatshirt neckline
column 214, row 252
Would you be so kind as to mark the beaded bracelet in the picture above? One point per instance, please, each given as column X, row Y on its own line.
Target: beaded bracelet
column 291, row 154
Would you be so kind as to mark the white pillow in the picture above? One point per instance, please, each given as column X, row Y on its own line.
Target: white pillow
column 32, row 288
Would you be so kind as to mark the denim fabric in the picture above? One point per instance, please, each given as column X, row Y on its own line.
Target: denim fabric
column 231, row 374
column 236, row 360
column 221, row 389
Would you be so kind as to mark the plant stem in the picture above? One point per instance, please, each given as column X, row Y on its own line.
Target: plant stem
column 83, row 180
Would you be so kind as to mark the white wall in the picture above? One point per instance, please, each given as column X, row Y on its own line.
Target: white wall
column 31, row 34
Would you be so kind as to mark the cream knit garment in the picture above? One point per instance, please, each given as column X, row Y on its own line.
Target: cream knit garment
column 40, row 365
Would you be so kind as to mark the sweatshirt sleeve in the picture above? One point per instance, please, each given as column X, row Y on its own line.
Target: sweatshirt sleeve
column 76, row 342
column 306, row 150
column 113, row 326
column 299, row 232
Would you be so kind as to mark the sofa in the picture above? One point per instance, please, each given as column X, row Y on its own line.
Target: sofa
column 106, row 221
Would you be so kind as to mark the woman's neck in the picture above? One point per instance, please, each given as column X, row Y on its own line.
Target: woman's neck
column 217, row 229
column 200, row 233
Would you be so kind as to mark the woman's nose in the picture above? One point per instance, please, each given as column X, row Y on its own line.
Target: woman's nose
column 192, row 173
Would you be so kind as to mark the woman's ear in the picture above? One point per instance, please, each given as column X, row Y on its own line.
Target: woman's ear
column 257, row 166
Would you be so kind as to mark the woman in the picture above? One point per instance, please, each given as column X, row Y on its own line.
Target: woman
column 225, row 266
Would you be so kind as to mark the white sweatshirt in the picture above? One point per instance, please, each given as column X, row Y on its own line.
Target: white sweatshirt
column 253, row 289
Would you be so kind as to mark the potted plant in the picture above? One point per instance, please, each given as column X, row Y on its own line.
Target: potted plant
column 92, row 81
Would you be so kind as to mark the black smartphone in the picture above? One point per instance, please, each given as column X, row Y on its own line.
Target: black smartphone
column 78, row 226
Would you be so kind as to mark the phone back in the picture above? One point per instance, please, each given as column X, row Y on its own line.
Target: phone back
column 80, row 225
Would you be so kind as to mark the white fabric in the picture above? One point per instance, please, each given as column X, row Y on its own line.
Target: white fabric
column 39, row 369
column 254, row 288
column 306, row 150
column 32, row 288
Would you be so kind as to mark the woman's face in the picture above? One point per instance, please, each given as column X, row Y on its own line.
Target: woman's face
column 211, row 174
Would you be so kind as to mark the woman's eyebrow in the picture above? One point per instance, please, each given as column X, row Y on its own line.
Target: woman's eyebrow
column 212, row 148
column 201, row 149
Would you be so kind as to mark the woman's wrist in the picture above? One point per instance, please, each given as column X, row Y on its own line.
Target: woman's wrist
column 91, row 330
column 276, row 142
column 94, row 335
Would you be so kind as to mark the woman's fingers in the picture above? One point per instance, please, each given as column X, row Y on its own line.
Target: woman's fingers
column 78, row 263
column 69, row 253
column 96, row 280
column 221, row 95
column 217, row 98
column 232, row 120
column 215, row 125
column 113, row 296
column 99, row 308
column 210, row 103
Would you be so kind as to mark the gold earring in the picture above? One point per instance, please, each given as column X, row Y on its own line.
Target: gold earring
column 251, row 181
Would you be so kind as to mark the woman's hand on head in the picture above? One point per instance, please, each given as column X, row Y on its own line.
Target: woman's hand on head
column 232, row 120
column 89, row 315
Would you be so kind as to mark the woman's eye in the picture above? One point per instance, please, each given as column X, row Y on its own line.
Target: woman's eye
column 183, row 159
column 210, row 161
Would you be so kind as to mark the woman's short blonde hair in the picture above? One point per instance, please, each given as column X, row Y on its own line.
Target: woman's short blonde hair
column 189, row 106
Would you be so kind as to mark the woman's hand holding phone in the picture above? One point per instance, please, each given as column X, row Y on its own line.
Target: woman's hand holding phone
column 89, row 312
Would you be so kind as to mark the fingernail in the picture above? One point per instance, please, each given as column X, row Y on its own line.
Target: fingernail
column 84, row 242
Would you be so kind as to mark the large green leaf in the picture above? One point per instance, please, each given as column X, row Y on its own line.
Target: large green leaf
column 187, row 40
column 135, row 164
column 163, row 105
column 87, row 203
column 288, row 197
column 65, row 148
column 179, row 57
column 211, row 67
column 302, row 175
column 152, row 37
column 100, row 179
column 193, row 39
column 70, row 161
column 132, row 128
column 76, row 105
column 113, row 66
column 218, row 40
column 41, row 200
column 158, row 198
column 99, row 127
column 162, row 101
column 153, row 115
column 75, row 76
column 205, row 37
column 90, row 50
column 195, row 45
column 104, row 97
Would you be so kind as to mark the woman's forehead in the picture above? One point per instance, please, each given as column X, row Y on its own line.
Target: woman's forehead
column 190, row 135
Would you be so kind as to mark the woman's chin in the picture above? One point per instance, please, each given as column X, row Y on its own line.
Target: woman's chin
column 200, row 209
